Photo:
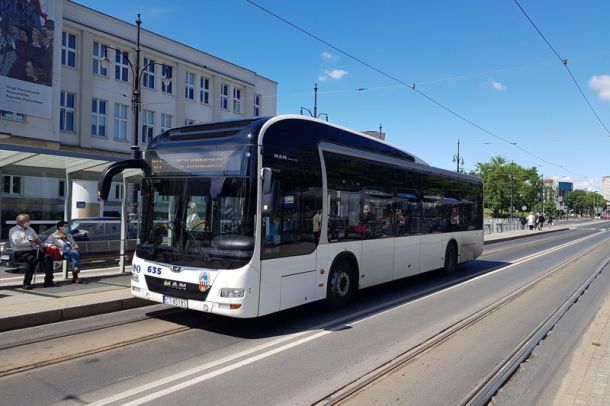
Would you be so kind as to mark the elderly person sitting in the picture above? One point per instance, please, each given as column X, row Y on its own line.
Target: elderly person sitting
column 25, row 243
column 63, row 240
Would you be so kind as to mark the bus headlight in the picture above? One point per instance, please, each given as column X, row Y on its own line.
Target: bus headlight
column 232, row 292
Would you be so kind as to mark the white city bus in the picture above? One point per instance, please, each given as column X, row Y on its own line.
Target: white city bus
column 248, row 217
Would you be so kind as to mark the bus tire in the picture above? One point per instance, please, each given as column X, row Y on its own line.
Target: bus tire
column 450, row 259
column 341, row 284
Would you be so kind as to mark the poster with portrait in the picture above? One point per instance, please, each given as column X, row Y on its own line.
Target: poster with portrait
column 27, row 31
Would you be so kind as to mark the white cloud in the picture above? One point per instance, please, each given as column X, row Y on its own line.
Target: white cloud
column 601, row 84
column 497, row 85
column 327, row 56
column 336, row 74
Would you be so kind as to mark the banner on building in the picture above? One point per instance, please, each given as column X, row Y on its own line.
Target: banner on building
column 27, row 31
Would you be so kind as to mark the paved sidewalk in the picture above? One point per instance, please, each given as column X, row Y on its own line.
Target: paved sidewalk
column 100, row 292
column 587, row 381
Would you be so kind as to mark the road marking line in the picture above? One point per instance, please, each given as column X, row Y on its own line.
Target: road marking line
column 169, row 379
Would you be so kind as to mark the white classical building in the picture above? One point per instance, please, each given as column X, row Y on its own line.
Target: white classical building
column 72, row 98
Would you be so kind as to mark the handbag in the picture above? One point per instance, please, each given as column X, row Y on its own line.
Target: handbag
column 53, row 251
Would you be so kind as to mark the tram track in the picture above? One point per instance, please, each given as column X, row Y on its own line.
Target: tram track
column 81, row 354
column 496, row 378
column 67, row 352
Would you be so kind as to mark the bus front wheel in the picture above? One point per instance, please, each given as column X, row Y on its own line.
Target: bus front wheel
column 341, row 285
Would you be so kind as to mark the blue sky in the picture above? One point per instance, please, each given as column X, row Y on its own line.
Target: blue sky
column 481, row 59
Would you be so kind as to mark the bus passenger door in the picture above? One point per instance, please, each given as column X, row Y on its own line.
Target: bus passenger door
column 288, row 240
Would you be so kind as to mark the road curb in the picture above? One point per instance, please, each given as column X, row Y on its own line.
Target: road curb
column 524, row 235
column 69, row 313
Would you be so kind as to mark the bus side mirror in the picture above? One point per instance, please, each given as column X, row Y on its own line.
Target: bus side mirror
column 270, row 192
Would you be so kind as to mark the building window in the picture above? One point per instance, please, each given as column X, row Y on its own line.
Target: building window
column 166, row 122
column 10, row 115
column 166, row 72
column 189, row 121
column 236, row 100
column 148, row 126
column 120, row 122
column 189, row 86
column 98, row 117
column 224, row 96
column 66, row 111
column 61, row 190
column 257, row 105
column 68, row 49
column 99, row 53
column 204, row 90
column 121, row 66
column 11, row 184
column 149, row 73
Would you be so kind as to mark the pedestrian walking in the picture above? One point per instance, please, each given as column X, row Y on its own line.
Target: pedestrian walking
column 540, row 221
column 531, row 221
column 549, row 221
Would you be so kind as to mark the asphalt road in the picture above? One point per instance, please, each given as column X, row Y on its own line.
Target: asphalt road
column 301, row 356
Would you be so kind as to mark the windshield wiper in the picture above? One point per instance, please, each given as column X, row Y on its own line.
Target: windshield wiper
column 199, row 247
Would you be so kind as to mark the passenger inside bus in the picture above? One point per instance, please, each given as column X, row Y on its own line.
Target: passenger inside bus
column 193, row 221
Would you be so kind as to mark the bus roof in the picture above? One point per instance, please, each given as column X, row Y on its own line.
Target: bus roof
column 231, row 131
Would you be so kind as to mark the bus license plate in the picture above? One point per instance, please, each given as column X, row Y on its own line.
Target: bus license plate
column 174, row 301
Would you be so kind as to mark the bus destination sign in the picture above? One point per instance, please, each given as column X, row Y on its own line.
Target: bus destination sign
column 201, row 163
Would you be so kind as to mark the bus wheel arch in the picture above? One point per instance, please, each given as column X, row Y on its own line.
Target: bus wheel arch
column 451, row 258
column 342, row 280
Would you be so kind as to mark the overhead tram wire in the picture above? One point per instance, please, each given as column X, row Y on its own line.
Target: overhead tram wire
column 564, row 62
column 411, row 86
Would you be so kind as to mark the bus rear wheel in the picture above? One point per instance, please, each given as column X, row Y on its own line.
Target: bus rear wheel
column 341, row 285
column 450, row 259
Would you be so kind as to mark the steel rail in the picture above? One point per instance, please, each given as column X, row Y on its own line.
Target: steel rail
column 483, row 392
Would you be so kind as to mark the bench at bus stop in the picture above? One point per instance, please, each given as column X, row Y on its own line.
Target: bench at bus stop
column 89, row 250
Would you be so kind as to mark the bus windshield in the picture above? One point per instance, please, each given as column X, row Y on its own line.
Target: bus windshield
column 198, row 221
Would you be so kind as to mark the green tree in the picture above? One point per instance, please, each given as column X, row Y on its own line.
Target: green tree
column 577, row 201
column 503, row 179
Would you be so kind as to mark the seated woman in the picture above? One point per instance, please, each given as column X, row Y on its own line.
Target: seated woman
column 68, row 248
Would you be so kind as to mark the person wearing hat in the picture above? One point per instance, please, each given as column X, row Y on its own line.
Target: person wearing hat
column 63, row 240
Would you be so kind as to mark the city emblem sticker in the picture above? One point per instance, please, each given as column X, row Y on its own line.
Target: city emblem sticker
column 204, row 281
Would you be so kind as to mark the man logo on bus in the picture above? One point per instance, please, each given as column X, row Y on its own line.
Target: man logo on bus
column 204, row 281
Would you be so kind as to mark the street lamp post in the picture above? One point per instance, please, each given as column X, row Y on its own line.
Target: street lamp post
column 512, row 182
column 135, row 148
column 315, row 105
column 542, row 194
column 315, row 100
column 136, row 101
column 137, row 72
column 456, row 158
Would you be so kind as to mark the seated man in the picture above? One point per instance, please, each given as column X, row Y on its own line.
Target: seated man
column 193, row 221
column 25, row 244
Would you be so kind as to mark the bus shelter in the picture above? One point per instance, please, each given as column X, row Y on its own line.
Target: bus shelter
column 53, row 184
